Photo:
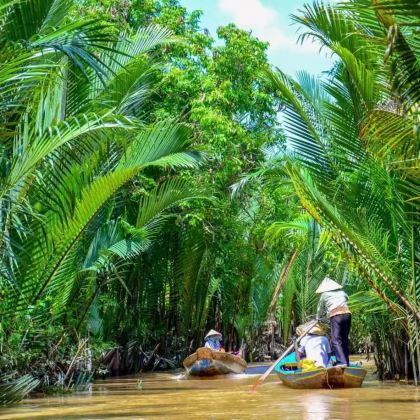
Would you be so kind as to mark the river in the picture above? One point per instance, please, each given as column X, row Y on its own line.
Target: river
column 170, row 396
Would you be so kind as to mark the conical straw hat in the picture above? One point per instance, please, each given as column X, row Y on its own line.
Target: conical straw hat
column 316, row 329
column 212, row 333
column 328, row 285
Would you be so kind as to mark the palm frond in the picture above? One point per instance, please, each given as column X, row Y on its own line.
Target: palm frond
column 12, row 392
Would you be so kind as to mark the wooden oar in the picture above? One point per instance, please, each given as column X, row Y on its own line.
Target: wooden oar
column 262, row 378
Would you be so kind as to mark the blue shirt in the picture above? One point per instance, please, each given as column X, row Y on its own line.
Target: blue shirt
column 213, row 344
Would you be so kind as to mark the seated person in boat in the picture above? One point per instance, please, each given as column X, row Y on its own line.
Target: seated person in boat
column 315, row 345
column 212, row 340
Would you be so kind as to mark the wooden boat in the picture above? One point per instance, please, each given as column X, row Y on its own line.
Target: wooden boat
column 207, row 362
column 332, row 377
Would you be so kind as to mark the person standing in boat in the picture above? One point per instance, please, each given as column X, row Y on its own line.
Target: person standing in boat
column 333, row 303
column 212, row 340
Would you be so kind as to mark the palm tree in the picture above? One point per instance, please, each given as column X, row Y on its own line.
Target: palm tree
column 74, row 103
column 354, row 145
column 303, row 271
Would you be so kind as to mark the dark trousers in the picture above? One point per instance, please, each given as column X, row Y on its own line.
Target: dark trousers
column 340, row 330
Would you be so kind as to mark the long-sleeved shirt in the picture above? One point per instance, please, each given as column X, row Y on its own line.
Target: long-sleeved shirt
column 213, row 344
column 316, row 348
column 331, row 300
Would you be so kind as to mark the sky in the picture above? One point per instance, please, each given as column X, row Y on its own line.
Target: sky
column 269, row 20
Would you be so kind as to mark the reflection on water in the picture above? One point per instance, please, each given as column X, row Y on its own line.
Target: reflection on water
column 317, row 407
column 171, row 396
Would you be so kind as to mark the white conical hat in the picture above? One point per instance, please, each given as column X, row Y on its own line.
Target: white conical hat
column 328, row 285
column 212, row 333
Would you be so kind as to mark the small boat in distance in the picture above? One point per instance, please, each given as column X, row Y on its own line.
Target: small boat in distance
column 329, row 378
column 207, row 362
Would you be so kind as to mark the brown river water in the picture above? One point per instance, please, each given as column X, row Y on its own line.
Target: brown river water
column 171, row 396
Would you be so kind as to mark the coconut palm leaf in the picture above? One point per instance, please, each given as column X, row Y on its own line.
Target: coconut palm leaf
column 163, row 197
column 347, row 179
column 14, row 391
column 54, row 269
column 27, row 18
column 29, row 153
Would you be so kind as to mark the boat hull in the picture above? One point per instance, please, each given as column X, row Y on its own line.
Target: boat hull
column 329, row 378
column 206, row 362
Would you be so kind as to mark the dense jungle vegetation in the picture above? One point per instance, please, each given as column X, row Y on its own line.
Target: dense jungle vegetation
column 158, row 180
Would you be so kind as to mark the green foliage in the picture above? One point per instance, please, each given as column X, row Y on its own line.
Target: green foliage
column 78, row 141
column 99, row 238
column 148, row 191
column 346, row 164
column 13, row 391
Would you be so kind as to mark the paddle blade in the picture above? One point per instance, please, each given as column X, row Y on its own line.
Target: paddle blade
column 262, row 378
column 257, row 383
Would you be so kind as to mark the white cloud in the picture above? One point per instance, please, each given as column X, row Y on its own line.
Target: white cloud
column 265, row 24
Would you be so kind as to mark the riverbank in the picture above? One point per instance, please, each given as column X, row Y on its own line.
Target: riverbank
column 171, row 395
